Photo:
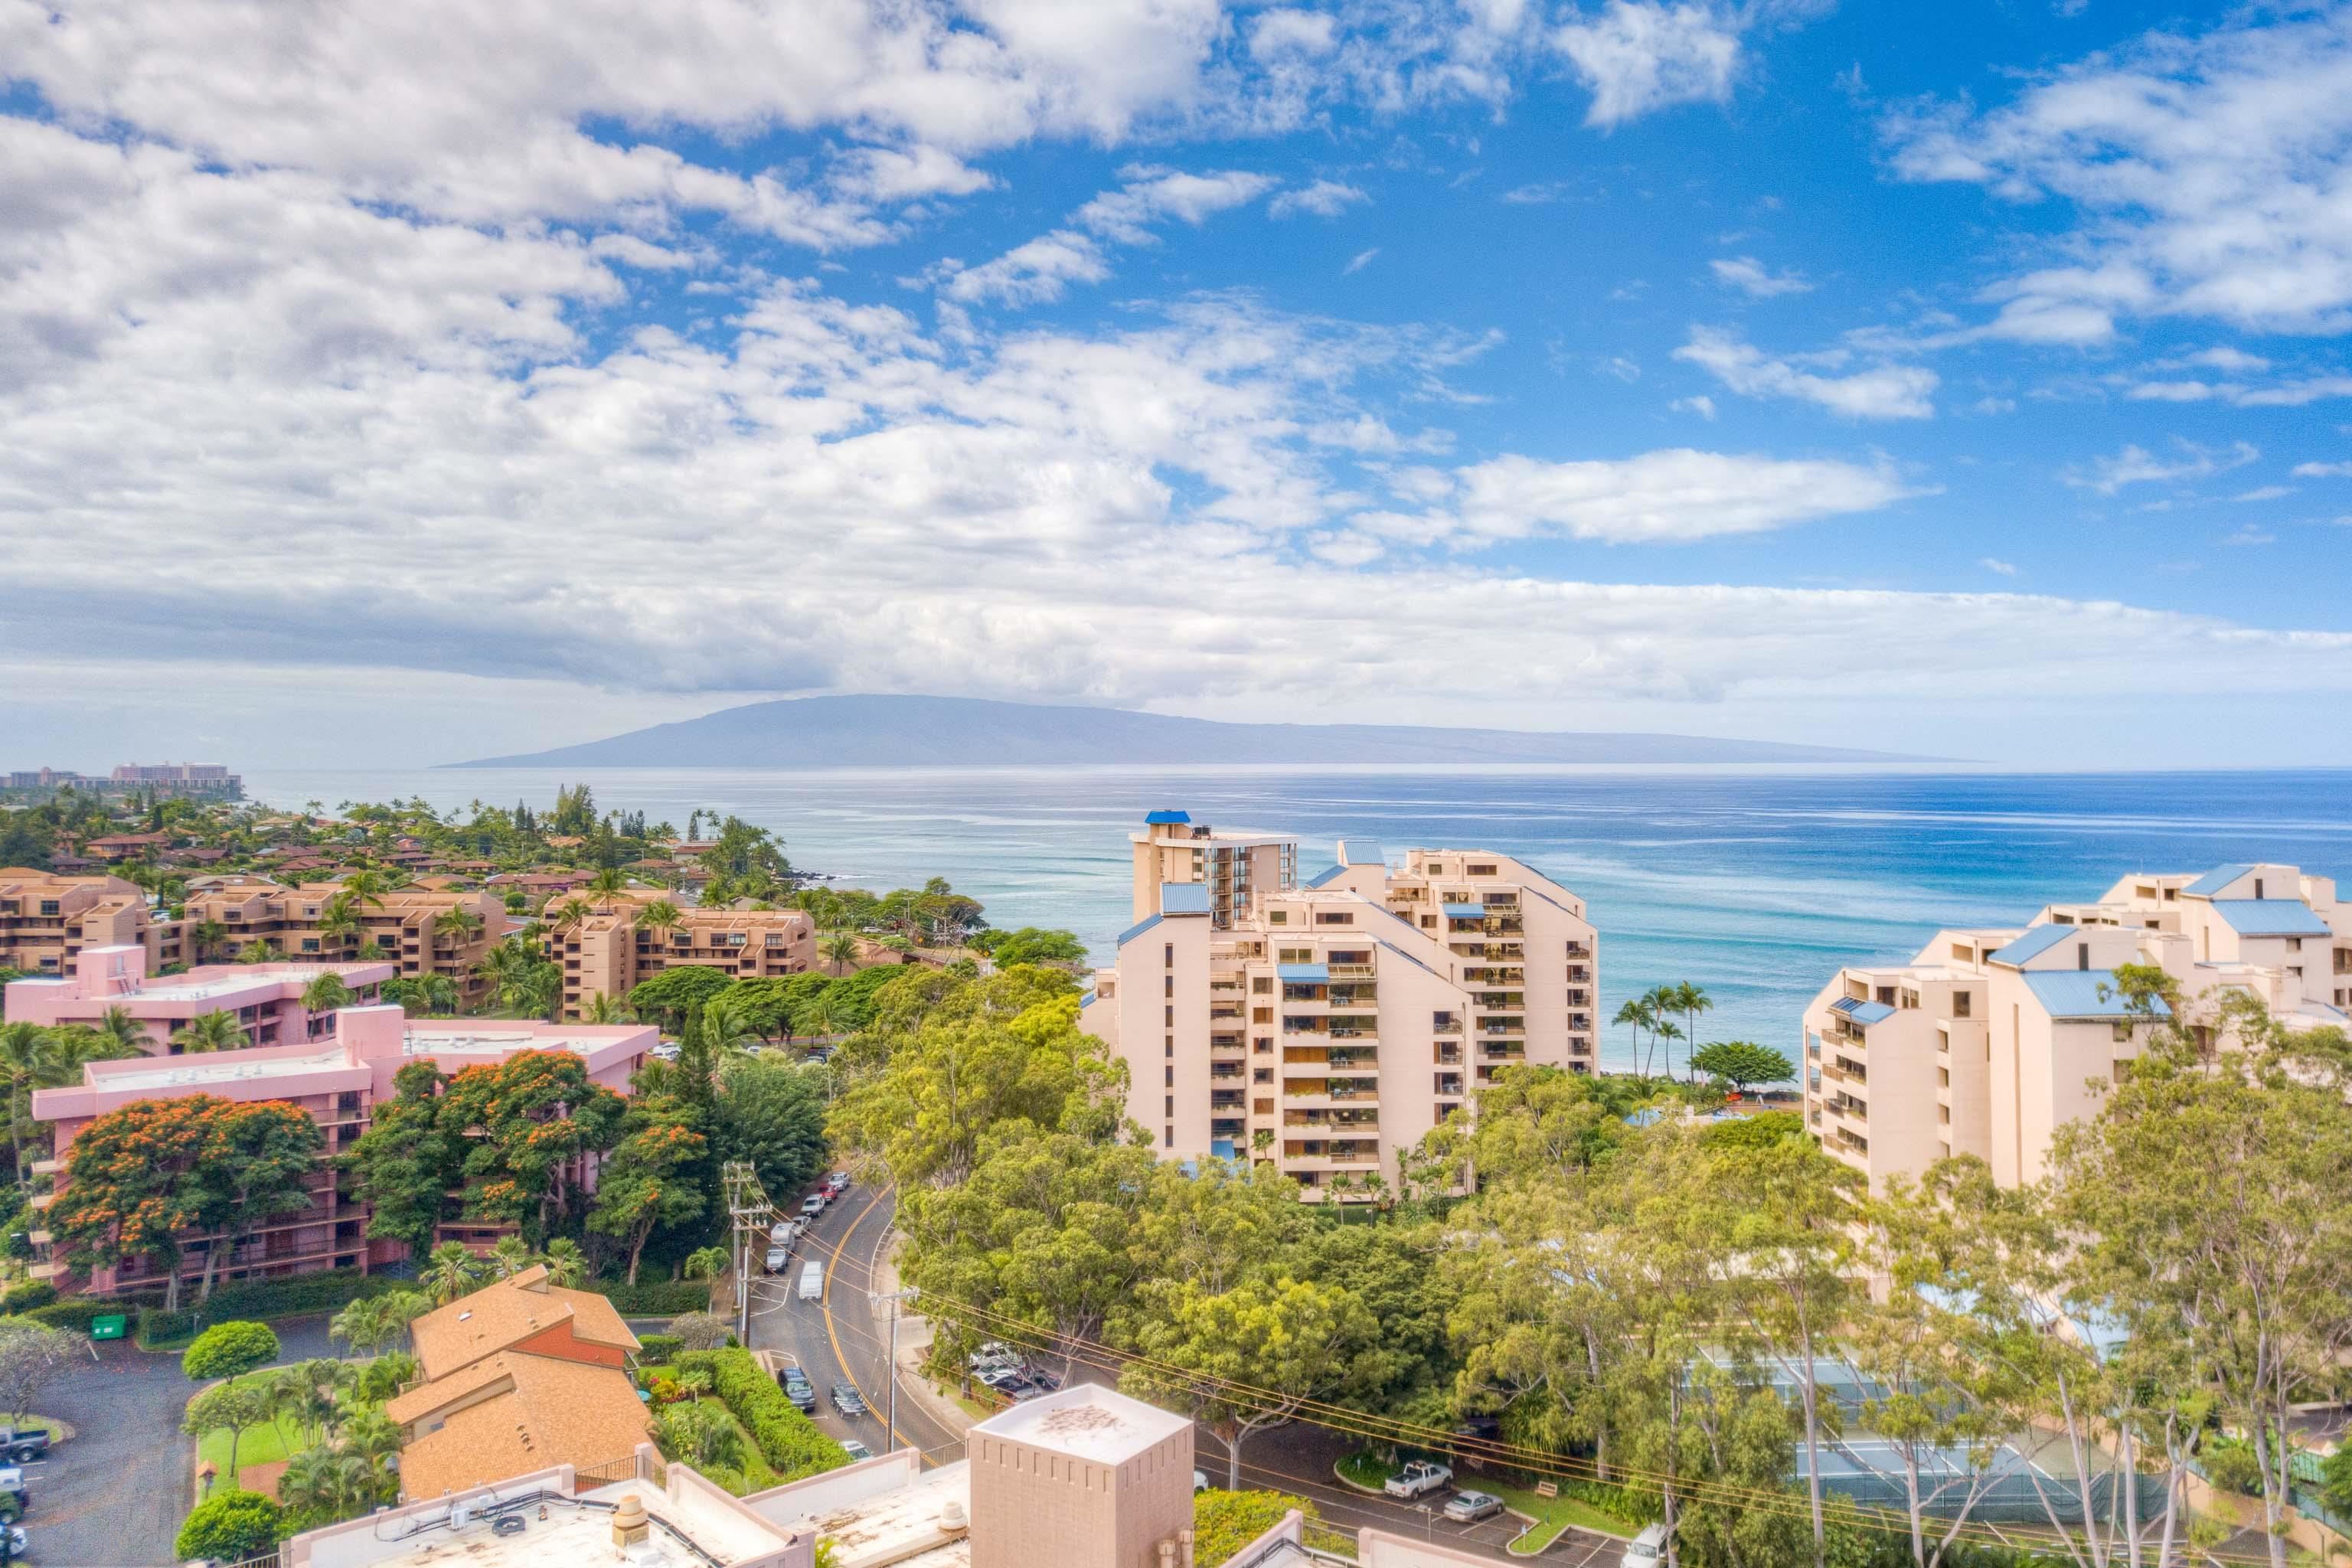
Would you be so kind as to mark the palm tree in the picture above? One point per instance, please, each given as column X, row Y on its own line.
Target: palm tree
column 30, row 1058
column 338, row 923
column 509, row 1256
column 607, row 881
column 566, row 1264
column 607, row 1008
column 326, row 992
column 204, row 939
column 840, row 950
column 1660, row 1001
column 707, row 1263
column 451, row 1271
column 660, row 917
column 458, row 922
column 1636, row 1015
column 1667, row 1031
column 436, row 994
column 725, row 1029
column 1690, row 1000
column 571, row 911
column 213, row 1031
column 118, row 1027
column 361, row 1324
column 257, row 950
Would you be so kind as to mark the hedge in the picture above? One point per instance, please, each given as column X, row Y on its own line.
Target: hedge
column 656, row 1298
column 257, row 1300
column 157, row 1326
column 74, row 1314
column 788, row 1440
column 25, row 1297
column 656, row 1350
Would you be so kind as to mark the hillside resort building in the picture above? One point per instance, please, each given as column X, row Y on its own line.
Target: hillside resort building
column 606, row 949
column 1326, row 1024
column 45, row 921
column 1988, row 1041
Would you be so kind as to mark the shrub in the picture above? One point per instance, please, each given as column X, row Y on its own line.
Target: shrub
column 655, row 1349
column 1223, row 1522
column 229, row 1350
column 788, row 1440
column 157, row 1326
column 25, row 1297
column 655, row 1297
column 697, row 1332
column 261, row 1300
column 2230, row 1463
column 75, row 1313
column 231, row 1526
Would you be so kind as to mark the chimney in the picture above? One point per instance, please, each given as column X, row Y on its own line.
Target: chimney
column 630, row 1526
column 1184, row 1547
column 954, row 1522
column 1166, row 1555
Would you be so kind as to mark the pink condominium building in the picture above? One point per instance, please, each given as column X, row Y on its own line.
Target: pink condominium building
column 1325, row 1026
column 266, row 999
column 338, row 1067
column 1988, row 1041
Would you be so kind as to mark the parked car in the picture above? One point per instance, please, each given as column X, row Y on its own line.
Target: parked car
column 995, row 1353
column 779, row 1259
column 797, row 1388
column 1200, row 1481
column 1419, row 1478
column 1645, row 1549
column 23, row 1448
column 1469, row 1508
column 812, row 1282
column 784, row 1232
column 813, row 1205
column 837, row 1183
column 1016, row 1388
column 15, row 1500
column 666, row 1052
column 847, row 1400
column 998, row 1376
column 855, row 1449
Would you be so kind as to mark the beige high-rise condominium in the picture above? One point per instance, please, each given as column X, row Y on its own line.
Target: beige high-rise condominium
column 1326, row 1026
column 45, row 921
column 607, row 949
column 1988, row 1041
column 422, row 931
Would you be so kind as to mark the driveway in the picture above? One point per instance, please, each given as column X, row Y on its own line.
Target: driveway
column 114, row 1497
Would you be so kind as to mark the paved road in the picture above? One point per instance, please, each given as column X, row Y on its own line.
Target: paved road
column 114, row 1497
column 843, row 1338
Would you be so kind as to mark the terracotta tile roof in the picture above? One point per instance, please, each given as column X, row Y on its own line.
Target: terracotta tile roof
column 528, row 1412
column 497, row 1316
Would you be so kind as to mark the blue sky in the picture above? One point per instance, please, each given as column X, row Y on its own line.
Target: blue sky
column 1962, row 379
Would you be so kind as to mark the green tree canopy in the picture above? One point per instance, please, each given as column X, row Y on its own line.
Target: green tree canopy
column 668, row 995
column 1741, row 1063
column 229, row 1527
column 229, row 1350
column 772, row 1114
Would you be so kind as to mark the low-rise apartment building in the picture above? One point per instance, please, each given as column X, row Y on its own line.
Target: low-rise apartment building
column 1327, row 1026
column 46, row 920
column 1988, row 1041
column 608, row 950
column 424, row 930
column 338, row 1077
column 266, row 999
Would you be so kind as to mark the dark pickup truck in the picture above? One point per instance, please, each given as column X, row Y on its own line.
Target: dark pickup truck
column 22, row 1448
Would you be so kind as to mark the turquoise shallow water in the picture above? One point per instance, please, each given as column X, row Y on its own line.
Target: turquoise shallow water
column 1753, row 884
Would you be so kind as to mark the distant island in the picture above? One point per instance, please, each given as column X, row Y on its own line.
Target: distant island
column 963, row 731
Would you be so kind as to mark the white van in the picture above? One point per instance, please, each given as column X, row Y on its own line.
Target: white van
column 812, row 1282
column 1647, row 1549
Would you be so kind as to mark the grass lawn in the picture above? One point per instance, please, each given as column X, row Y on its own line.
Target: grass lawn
column 1365, row 1470
column 1553, row 1515
column 262, row 1445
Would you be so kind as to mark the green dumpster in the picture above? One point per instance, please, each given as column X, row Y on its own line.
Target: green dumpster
column 108, row 1328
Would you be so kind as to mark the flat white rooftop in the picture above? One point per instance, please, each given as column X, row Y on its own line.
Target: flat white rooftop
column 225, row 1067
column 900, row 1527
column 261, row 977
column 575, row 1532
column 475, row 1041
column 1086, row 1421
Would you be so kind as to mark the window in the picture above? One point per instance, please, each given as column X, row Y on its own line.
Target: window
column 1278, row 917
column 1261, row 1014
column 1262, row 985
column 1334, row 918
column 1944, row 1078
column 1436, row 870
column 1963, row 951
column 1168, row 985
column 1265, row 1043
column 2123, row 1034
column 1910, row 999
column 1170, row 1021
column 1475, row 869
column 1171, row 1108
column 2258, row 887
column 49, row 906
column 1170, row 1076
column 1960, row 1004
column 1168, row 956
column 1168, row 1134
column 1168, row 1047
column 310, row 944
column 1261, row 1075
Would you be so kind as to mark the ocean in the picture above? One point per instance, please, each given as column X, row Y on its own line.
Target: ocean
column 1754, row 883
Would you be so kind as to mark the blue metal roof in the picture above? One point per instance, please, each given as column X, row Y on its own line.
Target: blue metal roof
column 1086, row 1001
column 1465, row 912
column 1183, row 897
column 2075, row 993
column 1305, row 973
column 1167, row 818
column 2271, row 917
column 1136, row 930
column 2036, row 942
column 2213, row 881
column 1861, row 1012
column 1361, row 852
column 1327, row 877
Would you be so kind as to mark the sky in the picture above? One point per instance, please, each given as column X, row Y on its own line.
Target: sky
column 389, row 385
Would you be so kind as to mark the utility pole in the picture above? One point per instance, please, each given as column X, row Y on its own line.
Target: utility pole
column 890, row 1371
column 750, row 1213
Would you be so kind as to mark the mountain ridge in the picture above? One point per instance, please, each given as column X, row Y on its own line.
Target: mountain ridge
column 873, row 730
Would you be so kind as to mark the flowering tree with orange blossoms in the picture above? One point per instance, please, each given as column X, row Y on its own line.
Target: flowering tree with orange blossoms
column 648, row 1180
column 525, row 1129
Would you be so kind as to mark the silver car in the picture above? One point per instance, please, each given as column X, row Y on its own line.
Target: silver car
column 1469, row 1508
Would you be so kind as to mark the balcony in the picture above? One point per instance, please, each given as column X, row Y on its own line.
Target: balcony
column 1579, row 950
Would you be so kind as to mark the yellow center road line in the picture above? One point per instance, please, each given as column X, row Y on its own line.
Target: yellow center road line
column 824, row 1304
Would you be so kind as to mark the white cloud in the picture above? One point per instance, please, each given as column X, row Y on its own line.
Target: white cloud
column 2000, row 567
column 1699, row 403
column 1754, row 278
column 1880, row 391
column 2136, row 466
column 2323, row 471
column 1541, row 194
column 2264, row 492
column 2204, row 169
column 1637, row 55
column 1324, row 198
column 1358, row 261
column 2237, row 394
column 1043, row 269
column 1668, row 497
column 2251, row 534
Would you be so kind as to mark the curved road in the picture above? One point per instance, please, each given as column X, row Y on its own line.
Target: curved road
column 844, row 1338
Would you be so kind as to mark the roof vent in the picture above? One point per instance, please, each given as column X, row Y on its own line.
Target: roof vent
column 630, row 1526
column 953, row 1520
